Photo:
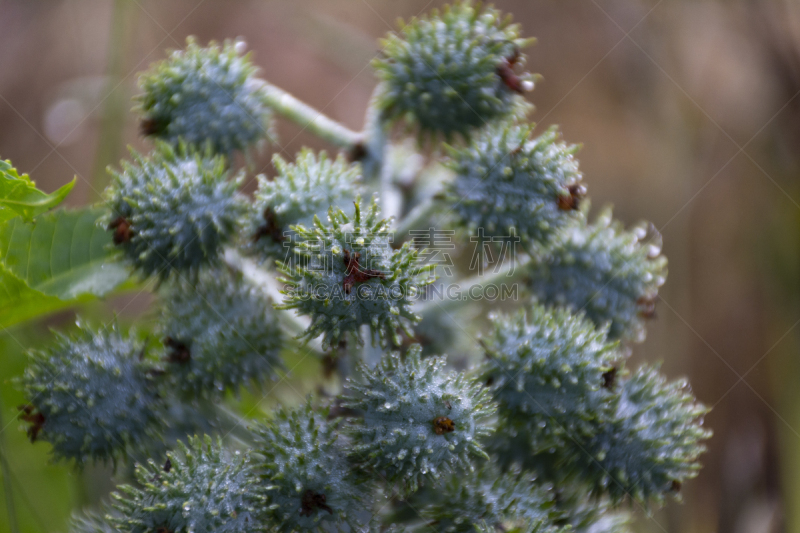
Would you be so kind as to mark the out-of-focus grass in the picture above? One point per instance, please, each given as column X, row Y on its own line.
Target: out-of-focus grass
column 43, row 493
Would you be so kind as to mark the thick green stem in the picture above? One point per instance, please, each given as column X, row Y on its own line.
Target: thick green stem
column 375, row 140
column 391, row 197
column 309, row 118
column 117, row 103
column 375, row 158
column 250, row 270
column 419, row 215
column 472, row 289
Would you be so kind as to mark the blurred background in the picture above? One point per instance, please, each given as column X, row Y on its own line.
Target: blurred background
column 689, row 112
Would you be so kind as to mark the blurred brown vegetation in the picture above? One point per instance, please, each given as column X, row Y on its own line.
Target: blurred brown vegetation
column 689, row 112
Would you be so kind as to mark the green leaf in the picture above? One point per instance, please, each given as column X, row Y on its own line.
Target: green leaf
column 20, row 197
column 64, row 254
column 19, row 302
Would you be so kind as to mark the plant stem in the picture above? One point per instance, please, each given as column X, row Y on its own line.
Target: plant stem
column 391, row 197
column 116, row 106
column 376, row 161
column 512, row 272
column 413, row 219
column 375, row 140
column 306, row 116
column 271, row 287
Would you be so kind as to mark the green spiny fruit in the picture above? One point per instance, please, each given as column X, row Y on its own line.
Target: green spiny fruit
column 645, row 450
column 652, row 444
column 300, row 190
column 452, row 72
column 201, row 488
column 205, row 97
column 90, row 522
column 512, row 447
column 611, row 274
column 608, row 522
column 173, row 211
column 91, row 396
column 550, row 369
column 509, row 187
column 305, row 476
column 352, row 277
column 417, row 421
column 487, row 500
column 220, row 333
column 586, row 514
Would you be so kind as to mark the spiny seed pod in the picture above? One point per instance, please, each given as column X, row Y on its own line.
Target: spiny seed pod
column 486, row 500
column 205, row 97
column 220, row 333
column 305, row 476
column 205, row 488
column 417, row 421
column 174, row 210
column 91, row 396
column 650, row 447
column 611, row 274
column 376, row 526
column 586, row 514
column 90, row 522
column 645, row 450
column 546, row 368
column 510, row 187
column 352, row 277
column 453, row 71
column 608, row 522
column 511, row 446
column 300, row 190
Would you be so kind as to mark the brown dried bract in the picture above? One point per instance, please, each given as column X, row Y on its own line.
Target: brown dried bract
column 357, row 152
column 354, row 273
column 506, row 72
column 35, row 419
column 179, row 351
column 330, row 363
column 647, row 306
column 573, row 201
column 122, row 230
column 152, row 126
column 442, row 425
column 610, row 378
column 311, row 501
column 270, row 228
